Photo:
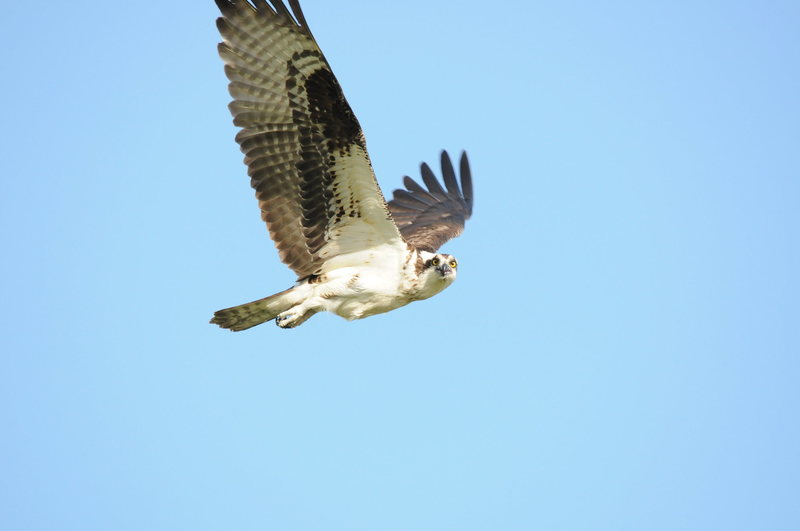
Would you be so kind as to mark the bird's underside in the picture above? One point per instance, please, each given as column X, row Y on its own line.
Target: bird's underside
column 354, row 254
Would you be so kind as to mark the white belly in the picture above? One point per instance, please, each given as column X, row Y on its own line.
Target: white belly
column 361, row 284
column 357, row 293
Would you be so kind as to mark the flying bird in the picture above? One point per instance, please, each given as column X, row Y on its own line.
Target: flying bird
column 354, row 254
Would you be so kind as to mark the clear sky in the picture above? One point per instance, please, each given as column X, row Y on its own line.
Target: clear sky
column 620, row 351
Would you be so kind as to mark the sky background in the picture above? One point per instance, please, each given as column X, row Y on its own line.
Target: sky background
column 620, row 351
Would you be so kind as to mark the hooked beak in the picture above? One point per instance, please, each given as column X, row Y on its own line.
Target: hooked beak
column 445, row 270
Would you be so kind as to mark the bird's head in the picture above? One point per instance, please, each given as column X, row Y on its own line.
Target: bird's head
column 438, row 271
column 439, row 267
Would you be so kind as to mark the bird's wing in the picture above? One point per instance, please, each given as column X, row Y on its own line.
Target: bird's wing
column 428, row 218
column 304, row 148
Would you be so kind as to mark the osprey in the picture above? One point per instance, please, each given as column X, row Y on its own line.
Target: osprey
column 353, row 254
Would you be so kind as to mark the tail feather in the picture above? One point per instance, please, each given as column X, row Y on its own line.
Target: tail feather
column 254, row 313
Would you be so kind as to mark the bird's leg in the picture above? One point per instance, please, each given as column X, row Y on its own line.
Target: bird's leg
column 294, row 316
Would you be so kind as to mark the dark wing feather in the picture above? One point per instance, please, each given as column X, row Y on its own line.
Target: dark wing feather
column 427, row 218
column 304, row 148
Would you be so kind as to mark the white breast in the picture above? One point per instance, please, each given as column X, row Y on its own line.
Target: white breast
column 367, row 283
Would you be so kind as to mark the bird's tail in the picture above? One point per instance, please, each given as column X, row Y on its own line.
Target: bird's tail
column 254, row 313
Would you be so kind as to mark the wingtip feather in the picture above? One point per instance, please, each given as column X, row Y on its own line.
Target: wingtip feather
column 466, row 182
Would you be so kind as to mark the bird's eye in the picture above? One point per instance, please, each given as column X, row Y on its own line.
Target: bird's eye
column 435, row 262
column 453, row 264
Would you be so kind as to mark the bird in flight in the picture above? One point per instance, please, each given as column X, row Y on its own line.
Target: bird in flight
column 354, row 254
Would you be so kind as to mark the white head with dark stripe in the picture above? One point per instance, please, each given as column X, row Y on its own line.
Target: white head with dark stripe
column 438, row 270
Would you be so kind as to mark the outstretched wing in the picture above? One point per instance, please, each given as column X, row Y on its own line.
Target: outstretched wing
column 428, row 218
column 304, row 148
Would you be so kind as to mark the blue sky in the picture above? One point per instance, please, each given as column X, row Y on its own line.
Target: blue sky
column 620, row 351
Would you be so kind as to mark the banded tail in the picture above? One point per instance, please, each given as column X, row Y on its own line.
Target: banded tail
column 254, row 313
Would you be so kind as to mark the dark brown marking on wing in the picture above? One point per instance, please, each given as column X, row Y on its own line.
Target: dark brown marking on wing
column 331, row 111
